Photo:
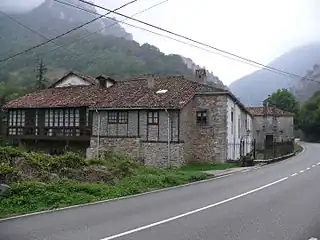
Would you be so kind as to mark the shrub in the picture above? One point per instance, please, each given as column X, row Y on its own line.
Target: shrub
column 8, row 174
column 67, row 160
column 7, row 154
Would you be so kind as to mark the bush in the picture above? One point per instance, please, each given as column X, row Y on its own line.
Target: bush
column 68, row 160
column 7, row 154
column 8, row 174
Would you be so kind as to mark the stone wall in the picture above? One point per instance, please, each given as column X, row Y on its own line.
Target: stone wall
column 153, row 154
column 126, row 146
column 205, row 143
column 156, row 154
column 285, row 129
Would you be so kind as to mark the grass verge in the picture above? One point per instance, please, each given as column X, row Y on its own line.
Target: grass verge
column 33, row 196
column 207, row 166
column 299, row 148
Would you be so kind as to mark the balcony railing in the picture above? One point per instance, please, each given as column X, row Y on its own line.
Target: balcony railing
column 49, row 132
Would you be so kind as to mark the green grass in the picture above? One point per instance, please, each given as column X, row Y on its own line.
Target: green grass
column 207, row 166
column 299, row 148
column 33, row 196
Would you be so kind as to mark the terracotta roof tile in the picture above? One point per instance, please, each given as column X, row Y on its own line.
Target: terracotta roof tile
column 133, row 93
column 259, row 111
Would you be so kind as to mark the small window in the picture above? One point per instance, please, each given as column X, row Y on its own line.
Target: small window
column 112, row 117
column 232, row 115
column 202, row 117
column 232, row 120
column 153, row 118
column 123, row 117
column 239, row 127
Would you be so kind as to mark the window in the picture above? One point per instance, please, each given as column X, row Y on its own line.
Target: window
column 77, row 118
column 16, row 122
column 87, row 118
column 232, row 120
column 202, row 117
column 246, row 124
column 117, row 117
column 62, row 118
column 239, row 127
column 16, row 118
column 153, row 118
column 112, row 118
column 123, row 117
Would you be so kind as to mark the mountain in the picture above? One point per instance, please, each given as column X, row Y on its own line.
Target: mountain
column 210, row 76
column 110, row 51
column 254, row 88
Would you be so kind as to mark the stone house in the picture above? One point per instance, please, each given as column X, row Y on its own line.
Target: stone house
column 271, row 124
column 162, row 121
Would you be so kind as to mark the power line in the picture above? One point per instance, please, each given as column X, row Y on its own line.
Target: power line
column 111, row 25
column 198, row 42
column 66, row 33
column 174, row 39
column 144, row 29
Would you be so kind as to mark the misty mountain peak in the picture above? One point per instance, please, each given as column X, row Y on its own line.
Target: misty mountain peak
column 52, row 18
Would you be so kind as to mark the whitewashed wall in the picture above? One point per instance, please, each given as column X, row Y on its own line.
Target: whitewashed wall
column 237, row 130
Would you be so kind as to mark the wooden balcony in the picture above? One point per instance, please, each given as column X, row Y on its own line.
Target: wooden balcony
column 50, row 133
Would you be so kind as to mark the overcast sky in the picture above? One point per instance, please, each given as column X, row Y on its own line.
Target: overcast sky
column 257, row 29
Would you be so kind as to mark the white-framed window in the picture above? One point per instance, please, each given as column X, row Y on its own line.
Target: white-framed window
column 87, row 117
column 62, row 118
column 17, row 118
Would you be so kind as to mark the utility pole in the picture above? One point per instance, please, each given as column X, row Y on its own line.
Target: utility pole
column 41, row 71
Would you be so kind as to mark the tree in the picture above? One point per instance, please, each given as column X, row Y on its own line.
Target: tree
column 285, row 100
column 310, row 118
column 41, row 80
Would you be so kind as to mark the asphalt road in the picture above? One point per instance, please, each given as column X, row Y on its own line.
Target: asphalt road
column 279, row 201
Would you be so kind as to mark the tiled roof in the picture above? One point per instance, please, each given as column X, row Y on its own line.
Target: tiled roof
column 259, row 111
column 133, row 93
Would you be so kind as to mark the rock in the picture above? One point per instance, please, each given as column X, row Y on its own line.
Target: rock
column 4, row 189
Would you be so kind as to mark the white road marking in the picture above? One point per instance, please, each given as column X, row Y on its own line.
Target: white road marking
column 308, row 168
column 301, row 171
column 295, row 174
column 192, row 212
column 313, row 238
column 318, row 163
column 313, row 165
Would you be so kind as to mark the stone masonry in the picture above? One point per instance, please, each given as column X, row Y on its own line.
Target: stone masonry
column 206, row 143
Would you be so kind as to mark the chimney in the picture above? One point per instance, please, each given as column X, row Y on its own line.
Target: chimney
column 151, row 81
column 201, row 75
column 102, row 81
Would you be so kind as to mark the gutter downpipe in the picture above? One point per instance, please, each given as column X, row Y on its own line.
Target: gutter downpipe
column 169, row 156
column 99, row 125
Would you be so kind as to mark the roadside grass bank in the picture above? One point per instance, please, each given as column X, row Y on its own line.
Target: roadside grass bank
column 207, row 166
column 299, row 148
column 40, row 182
